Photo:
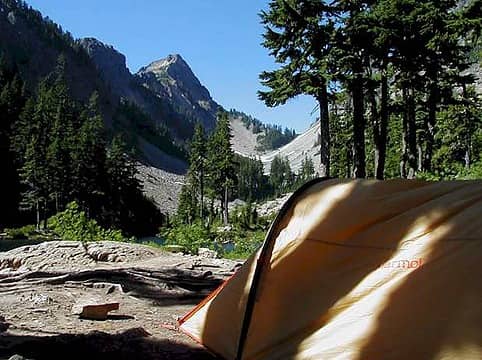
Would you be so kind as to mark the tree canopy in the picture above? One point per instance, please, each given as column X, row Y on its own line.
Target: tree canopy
column 377, row 66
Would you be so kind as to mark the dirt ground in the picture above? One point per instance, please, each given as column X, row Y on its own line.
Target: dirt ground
column 39, row 286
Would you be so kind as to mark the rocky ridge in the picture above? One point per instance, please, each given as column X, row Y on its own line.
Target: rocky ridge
column 172, row 78
column 112, row 68
column 110, row 63
column 23, row 41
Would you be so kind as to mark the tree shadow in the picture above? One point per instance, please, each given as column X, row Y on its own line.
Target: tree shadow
column 173, row 287
column 331, row 248
column 437, row 310
column 163, row 287
column 130, row 344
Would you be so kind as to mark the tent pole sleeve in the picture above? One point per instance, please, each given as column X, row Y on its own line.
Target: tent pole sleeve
column 264, row 259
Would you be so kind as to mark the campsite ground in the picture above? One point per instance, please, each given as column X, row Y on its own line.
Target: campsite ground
column 40, row 284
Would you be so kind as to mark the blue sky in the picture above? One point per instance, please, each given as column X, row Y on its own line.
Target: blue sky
column 220, row 39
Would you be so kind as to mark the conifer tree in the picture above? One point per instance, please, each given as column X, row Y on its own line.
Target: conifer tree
column 33, row 170
column 122, row 183
column 187, row 208
column 89, row 158
column 11, row 102
column 280, row 176
column 252, row 183
column 352, row 53
column 307, row 171
column 458, row 141
column 220, row 160
column 197, row 168
column 60, row 143
column 299, row 35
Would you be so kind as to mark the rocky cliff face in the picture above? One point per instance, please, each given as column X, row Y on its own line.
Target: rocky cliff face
column 110, row 63
column 172, row 78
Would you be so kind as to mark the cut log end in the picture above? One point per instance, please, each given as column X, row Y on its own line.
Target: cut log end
column 95, row 311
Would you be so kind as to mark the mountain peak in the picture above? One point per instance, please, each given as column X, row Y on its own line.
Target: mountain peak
column 175, row 58
column 174, row 77
column 163, row 65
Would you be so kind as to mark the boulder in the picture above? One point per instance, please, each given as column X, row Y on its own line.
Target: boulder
column 207, row 253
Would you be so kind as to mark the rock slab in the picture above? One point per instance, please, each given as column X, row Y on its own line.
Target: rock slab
column 94, row 308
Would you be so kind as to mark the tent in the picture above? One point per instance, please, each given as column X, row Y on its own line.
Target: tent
column 357, row 269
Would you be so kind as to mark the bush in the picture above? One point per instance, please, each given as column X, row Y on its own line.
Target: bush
column 25, row 232
column 456, row 172
column 73, row 224
column 246, row 233
column 474, row 173
column 191, row 237
column 245, row 244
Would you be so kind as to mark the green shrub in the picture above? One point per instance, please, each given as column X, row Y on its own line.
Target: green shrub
column 25, row 232
column 455, row 172
column 245, row 244
column 428, row 176
column 191, row 237
column 152, row 244
column 474, row 173
column 246, row 232
column 73, row 224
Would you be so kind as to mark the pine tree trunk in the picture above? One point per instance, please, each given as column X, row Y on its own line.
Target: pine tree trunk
column 404, row 155
column 56, row 203
column 381, row 144
column 358, row 129
column 348, row 164
column 221, row 215
column 37, row 210
column 420, row 155
column 467, row 159
column 211, row 212
column 430, row 120
column 324, row 132
column 45, row 215
column 468, row 140
column 201, row 212
column 412, row 144
column 375, row 119
column 226, row 210
column 409, row 161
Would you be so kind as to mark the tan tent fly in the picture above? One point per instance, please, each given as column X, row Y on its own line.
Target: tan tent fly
column 357, row 269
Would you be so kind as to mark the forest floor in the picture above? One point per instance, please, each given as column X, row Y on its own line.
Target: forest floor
column 40, row 284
